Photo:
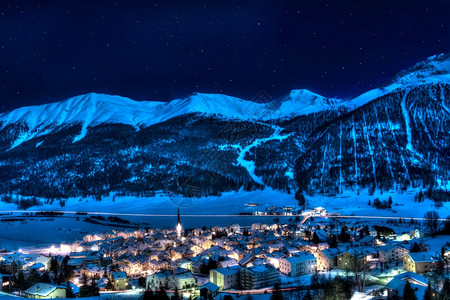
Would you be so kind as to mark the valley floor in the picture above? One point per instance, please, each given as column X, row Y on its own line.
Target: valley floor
column 234, row 203
column 160, row 211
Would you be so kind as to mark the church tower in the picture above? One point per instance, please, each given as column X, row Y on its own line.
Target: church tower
column 179, row 227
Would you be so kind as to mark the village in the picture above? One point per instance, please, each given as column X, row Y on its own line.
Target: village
column 301, row 259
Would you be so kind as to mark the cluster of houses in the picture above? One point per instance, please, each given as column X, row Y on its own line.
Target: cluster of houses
column 207, row 261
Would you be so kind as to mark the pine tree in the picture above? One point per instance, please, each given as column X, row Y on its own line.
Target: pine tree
column 276, row 294
column 428, row 293
column 415, row 248
column 148, row 295
column 315, row 238
column 161, row 294
column 176, row 295
column 307, row 296
column 408, row 292
column 345, row 237
column 445, row 293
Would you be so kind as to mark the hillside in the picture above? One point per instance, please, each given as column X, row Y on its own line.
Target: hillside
column 391, row 138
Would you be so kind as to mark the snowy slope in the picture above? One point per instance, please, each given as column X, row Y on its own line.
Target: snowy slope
column 434, row 70
column 93, row 109
column 299, row 102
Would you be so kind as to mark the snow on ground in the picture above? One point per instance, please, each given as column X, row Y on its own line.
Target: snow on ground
column 350, row 202
column 232, row 203
column 44, row 232
column 228, row 203
column 267, row 296
column 435, row 244
column 134, row 294
column 160, row 212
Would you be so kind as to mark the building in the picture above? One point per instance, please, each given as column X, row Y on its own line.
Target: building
column 209, row 290
column 326, row 259
column 354, row 258
column 258, row 277
column 154, row 281
column 179, row 227
column 301, row 264
column 120, row 281
column 45, row 291
column 225, row 278
column 419, row 262
column 184, row 281
column 392, row 252
column 397, row 284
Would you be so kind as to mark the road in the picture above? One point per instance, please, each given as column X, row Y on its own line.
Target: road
column 211, row 215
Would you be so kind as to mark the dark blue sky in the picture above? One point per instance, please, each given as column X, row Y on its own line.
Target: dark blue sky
column 160, row 50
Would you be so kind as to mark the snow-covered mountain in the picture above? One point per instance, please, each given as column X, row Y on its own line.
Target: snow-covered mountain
column 391, row 137
column 93, row 109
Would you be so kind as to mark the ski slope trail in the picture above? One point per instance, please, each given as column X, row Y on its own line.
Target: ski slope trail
column 249, row 165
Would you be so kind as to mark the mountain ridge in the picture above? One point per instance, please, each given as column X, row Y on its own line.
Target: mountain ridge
column 389, row 138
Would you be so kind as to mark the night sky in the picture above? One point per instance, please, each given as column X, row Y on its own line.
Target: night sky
column 161, row 50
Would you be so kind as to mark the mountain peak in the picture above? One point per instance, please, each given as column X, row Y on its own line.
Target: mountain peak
column 436, row 67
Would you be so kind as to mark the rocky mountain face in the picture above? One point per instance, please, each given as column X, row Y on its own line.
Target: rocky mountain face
column 393, row 137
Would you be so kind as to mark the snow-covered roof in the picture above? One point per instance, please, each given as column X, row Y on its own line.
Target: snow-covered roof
column 423, row 256
column 331, row 252
column 186, row 275
column 210, row 286
column 119, row 275
column 301, row 257
column 259, row 268
column 228, row 270
column 417, row 282
column 390, row 247
column 367, row 239
column 43, row 289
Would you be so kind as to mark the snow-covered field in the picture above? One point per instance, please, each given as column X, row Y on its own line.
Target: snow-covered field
column 228, row 203
column 160, row 211
column 350, row 203
column 232, row 203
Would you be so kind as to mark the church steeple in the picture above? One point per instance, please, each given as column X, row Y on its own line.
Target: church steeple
column 179, row 227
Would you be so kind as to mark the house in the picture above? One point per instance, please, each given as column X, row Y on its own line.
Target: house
column 419, row 262
column 301, row 264
column 246, row 259
column 184, row 280
column 227, row 263
column 397, row 284
column 274, row 258
column 326, row 259
column 258, row 277
column 354, row 257
column 207, row 244
column 154, row 281
column 120, row 280
column 45, row 291
column 71, row 288
column 44, row 260
column 225, row 278
column 368, row 241
column 92, row 237
column 38, row 266
column 392, row 252
column 208, row 290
